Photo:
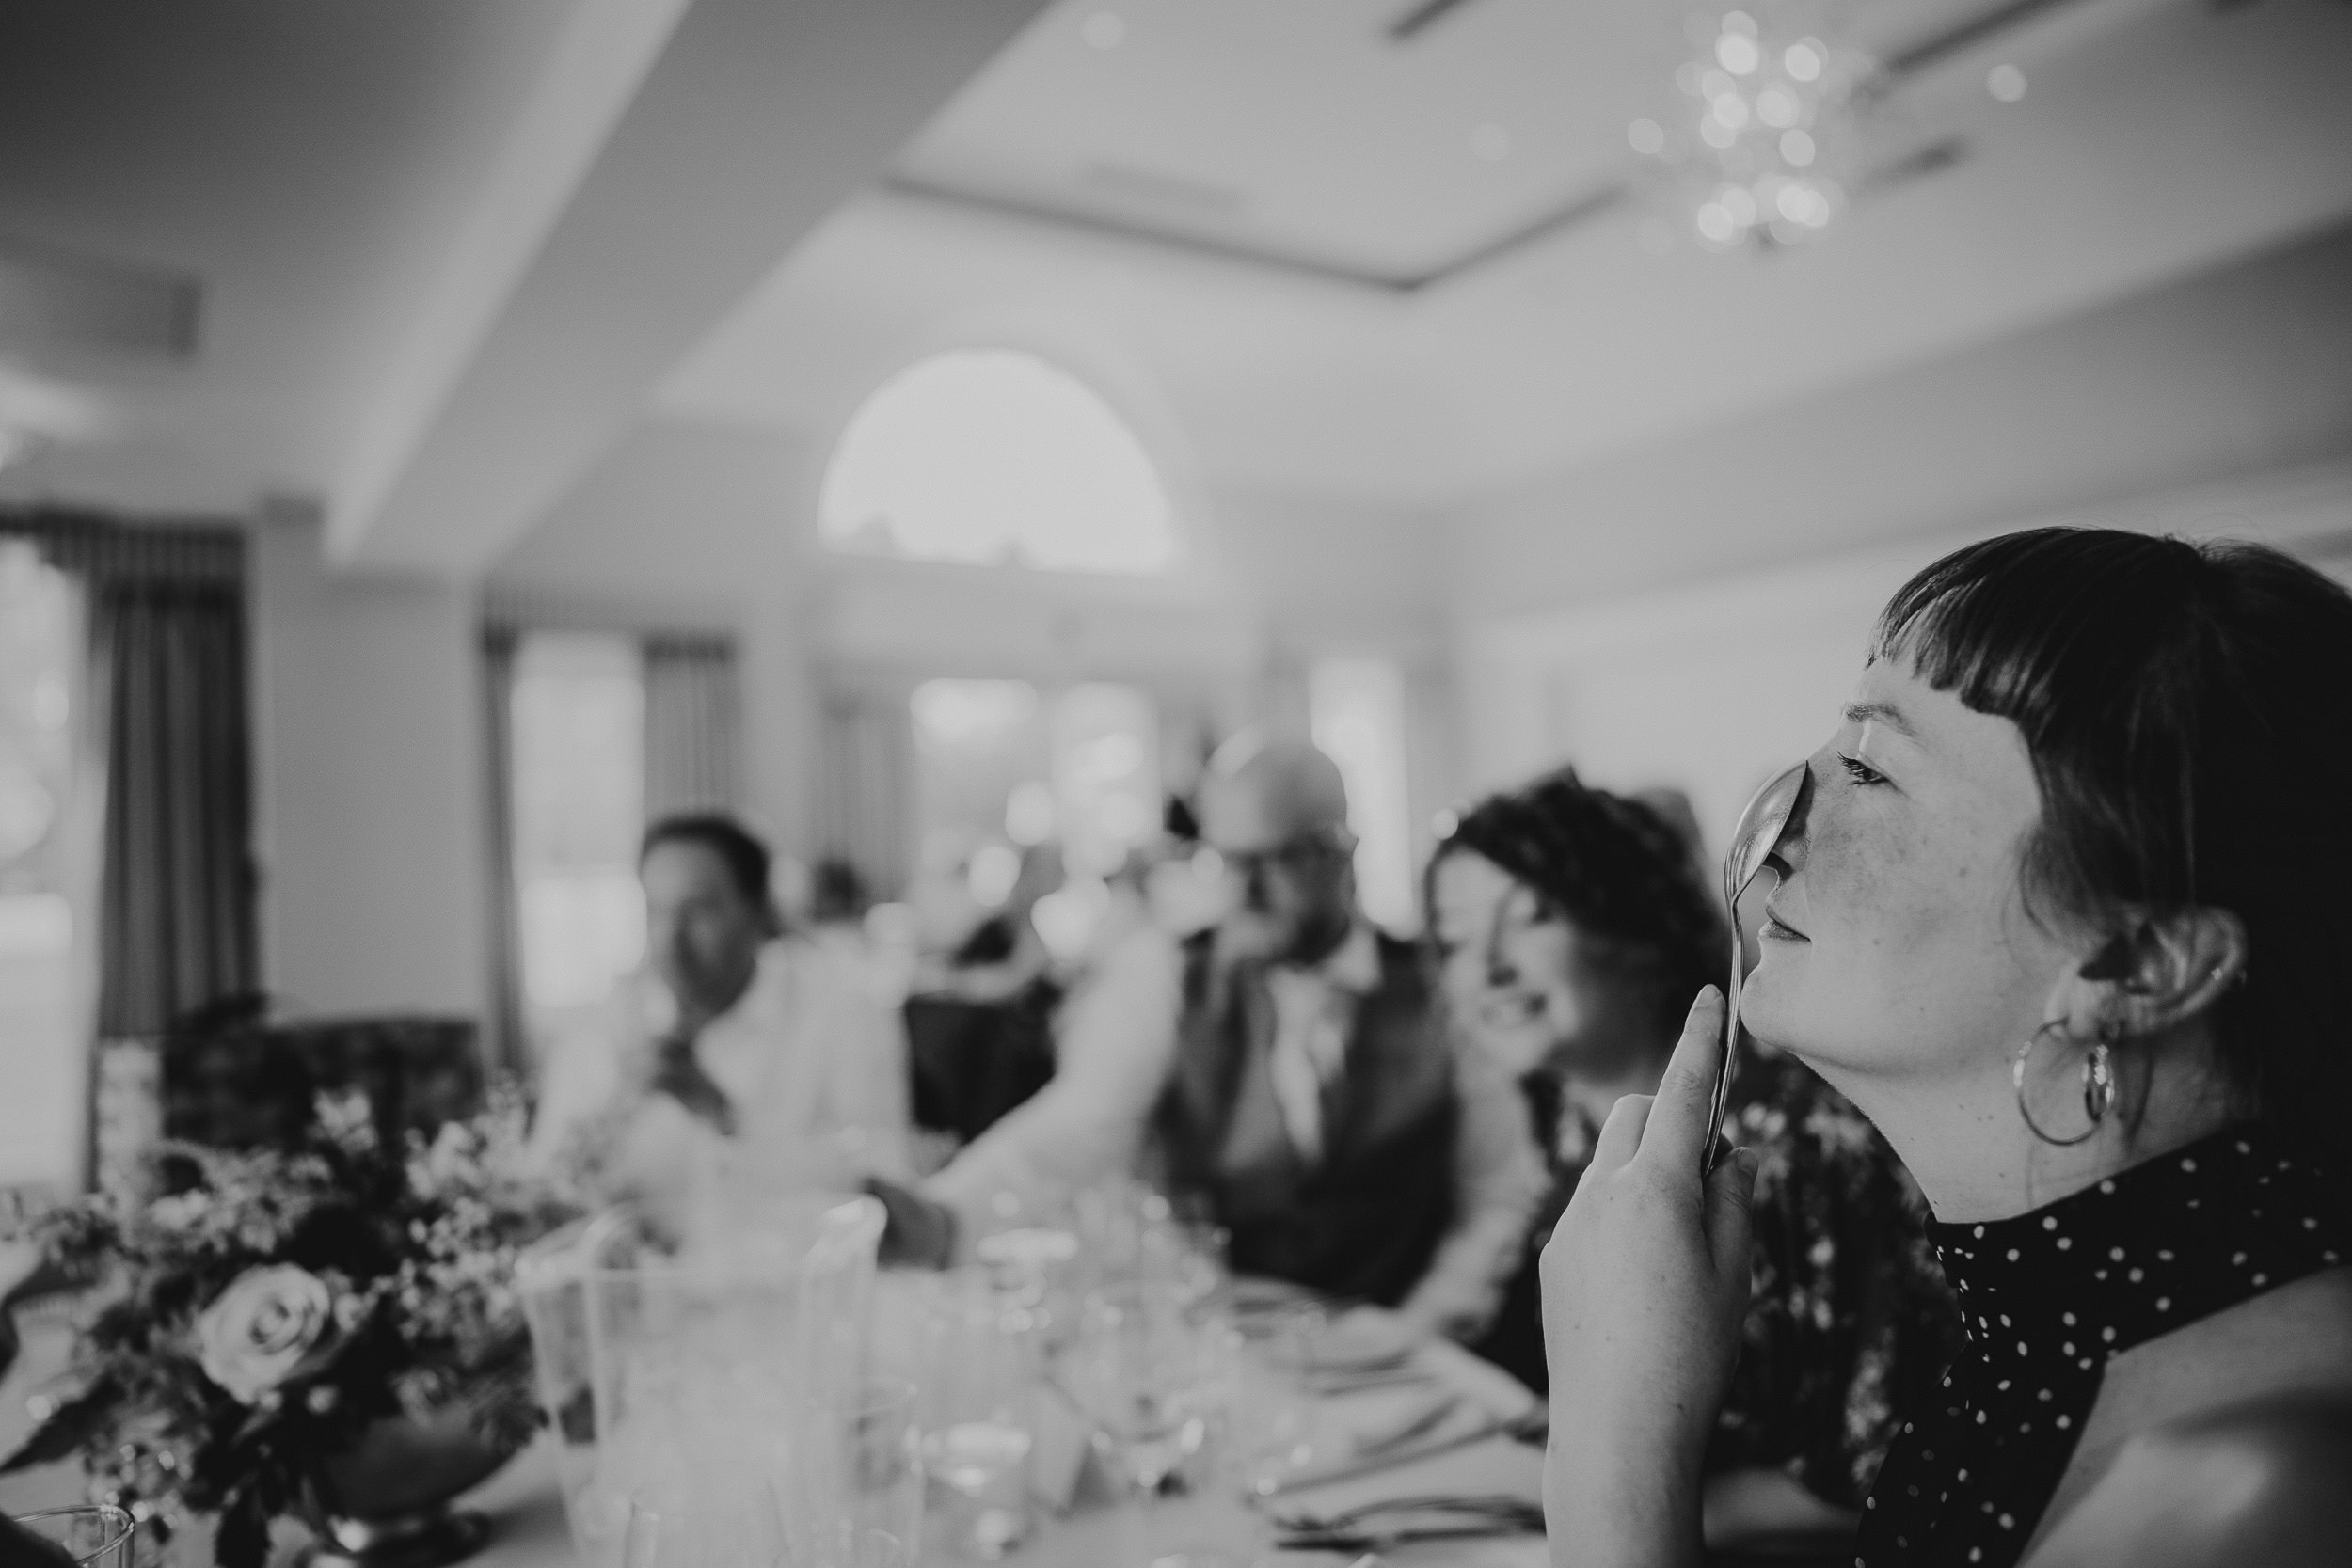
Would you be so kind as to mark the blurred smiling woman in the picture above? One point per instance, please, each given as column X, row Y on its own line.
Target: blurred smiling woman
column 2064, row 916
column 1573, row 927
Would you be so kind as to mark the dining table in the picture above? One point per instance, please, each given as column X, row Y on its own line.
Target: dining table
column 1469, row 1449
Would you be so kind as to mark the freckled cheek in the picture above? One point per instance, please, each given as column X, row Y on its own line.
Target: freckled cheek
column 1866, row 887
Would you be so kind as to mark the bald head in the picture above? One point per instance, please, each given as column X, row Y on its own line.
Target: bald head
column 1262, row 793
column 1277, row 813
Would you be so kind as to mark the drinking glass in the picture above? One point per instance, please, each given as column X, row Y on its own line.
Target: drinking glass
column 94, row 1535
column 852, row 1472
column 1270, row 1426
column 1143, row 1372
column 976, row 1371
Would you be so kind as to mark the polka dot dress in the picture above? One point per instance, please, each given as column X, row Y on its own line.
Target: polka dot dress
column 2047, row 1298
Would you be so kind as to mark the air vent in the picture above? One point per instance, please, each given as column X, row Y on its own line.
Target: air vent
column 1166, row 190
column 51, row 303
column 1422, row 18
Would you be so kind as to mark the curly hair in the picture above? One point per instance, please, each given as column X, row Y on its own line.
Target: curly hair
column 1617, row 872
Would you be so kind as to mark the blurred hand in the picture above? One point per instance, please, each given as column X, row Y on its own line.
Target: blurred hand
column 919, row 1233
column 16, row 1547
column 1644, row 1282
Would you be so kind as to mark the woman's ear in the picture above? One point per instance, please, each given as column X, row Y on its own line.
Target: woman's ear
column 2159, row 972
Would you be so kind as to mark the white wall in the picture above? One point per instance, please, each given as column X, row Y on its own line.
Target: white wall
column 2236, row 372
column 1691, row 614
column 1712, row 686
column 368, row 793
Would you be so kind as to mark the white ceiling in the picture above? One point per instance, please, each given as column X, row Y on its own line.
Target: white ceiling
column 304, row 164
column 1308, row 130
column 443, row 247
column 2155, row 140
column 448, row 251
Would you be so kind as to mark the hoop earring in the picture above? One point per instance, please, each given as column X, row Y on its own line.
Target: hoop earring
column 2098, row 1085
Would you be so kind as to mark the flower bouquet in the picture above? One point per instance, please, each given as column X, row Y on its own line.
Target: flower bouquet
column 273, row 1310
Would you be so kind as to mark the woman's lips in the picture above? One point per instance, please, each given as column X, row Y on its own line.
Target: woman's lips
column 1777, row 929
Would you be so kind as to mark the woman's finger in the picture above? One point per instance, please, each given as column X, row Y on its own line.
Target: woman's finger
column 1621, row 1135
column 1681, row 1128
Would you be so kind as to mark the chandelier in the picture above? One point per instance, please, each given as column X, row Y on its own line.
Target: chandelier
column 1760, row 150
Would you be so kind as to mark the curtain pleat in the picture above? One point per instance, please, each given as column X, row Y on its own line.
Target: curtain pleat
column 507, row 1047
column 166, row 619
column 867, row 796
column 693, row 722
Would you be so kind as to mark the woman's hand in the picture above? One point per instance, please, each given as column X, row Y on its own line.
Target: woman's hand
column 1645, row 1281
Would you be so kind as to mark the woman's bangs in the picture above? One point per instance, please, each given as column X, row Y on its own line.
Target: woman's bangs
column 1978, row 624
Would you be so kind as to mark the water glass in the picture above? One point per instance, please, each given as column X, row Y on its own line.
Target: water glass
column 979, row 1474
column 852, row 1480
column 94, row 1535
column 970, row 1347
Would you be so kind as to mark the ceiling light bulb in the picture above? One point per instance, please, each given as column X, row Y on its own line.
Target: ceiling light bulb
column 1803, row 60
column 1739, row 25
column 1738, row 53
column 1797, row 148
column 1777, row 106
column 2006, row 83
column 1104, row 29
column 1646, row 136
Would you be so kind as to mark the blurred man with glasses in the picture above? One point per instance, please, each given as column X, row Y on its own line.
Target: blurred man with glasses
column 1286, row 1072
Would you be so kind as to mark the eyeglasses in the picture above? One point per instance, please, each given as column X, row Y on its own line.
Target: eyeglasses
column 1299, row 853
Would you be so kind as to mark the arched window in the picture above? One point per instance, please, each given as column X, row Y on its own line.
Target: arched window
column 996, row 457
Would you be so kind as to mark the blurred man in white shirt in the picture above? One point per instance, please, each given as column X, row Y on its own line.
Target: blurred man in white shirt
column 737, row 1061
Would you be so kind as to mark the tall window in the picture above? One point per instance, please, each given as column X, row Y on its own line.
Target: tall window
column 1356, row 707
column 580, row 804
column 43, row 1030
column 996, row 458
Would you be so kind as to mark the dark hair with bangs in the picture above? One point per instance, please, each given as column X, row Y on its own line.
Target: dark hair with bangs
column 1616, row 870
column 2189, row 711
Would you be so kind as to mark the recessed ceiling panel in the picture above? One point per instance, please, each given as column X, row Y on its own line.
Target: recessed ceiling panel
column 1381, row 139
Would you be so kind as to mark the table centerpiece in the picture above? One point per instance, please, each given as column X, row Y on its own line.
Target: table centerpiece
column 327, row 1331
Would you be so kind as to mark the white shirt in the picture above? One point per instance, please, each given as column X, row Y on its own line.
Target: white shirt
column 1314, row 1010
column 1117, row 1048
column 815, row 1069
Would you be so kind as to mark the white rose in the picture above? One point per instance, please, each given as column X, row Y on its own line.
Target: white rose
column 258, row 1332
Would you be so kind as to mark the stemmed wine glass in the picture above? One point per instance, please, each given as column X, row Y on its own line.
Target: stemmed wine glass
column 1145, row 1375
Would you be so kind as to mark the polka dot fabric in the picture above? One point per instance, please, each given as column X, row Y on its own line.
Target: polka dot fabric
column 2047, row 1298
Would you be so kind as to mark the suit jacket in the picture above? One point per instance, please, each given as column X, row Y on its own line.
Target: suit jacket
column 1363, row 1221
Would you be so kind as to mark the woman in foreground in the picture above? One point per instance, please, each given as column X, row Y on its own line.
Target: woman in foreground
column 2064, row 917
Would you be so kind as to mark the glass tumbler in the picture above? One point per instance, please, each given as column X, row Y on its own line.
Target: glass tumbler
column 94, row 1535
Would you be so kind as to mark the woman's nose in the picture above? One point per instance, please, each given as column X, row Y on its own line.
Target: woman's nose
column 1787, row 852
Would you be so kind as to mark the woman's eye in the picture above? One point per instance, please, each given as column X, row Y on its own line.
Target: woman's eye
column 1860, row 771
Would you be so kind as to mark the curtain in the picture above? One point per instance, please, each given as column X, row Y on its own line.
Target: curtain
column 693, row 722
column 866, row 800
column 165, row 606
column 506, row 1044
